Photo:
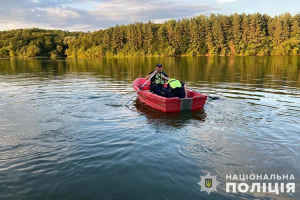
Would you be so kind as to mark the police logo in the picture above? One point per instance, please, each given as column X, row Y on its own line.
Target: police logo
column 208, row 183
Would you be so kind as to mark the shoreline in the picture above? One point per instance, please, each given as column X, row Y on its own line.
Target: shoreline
column 179, row 56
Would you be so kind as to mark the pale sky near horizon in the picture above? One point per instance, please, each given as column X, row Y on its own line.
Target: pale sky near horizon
column 90, row 15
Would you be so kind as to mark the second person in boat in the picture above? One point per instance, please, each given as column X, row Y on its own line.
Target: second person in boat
column 175, row 88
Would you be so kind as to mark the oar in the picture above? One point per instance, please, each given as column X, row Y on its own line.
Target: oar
column 139, row 89
column 213, row 98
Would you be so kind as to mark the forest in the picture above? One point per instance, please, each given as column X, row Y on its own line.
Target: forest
column 35, row 42
column 216, row 34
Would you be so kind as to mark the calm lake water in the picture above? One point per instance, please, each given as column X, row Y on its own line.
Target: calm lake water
column 65, row 135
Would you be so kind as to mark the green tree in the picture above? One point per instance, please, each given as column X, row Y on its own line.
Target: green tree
column 32, row 51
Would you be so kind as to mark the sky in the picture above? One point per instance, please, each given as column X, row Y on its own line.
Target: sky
column 91, row 15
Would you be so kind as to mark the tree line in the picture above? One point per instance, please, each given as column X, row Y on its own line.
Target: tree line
column 35, row 42
column 236, row 34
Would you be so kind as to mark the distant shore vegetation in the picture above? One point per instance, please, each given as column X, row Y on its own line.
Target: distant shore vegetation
column 220, row 35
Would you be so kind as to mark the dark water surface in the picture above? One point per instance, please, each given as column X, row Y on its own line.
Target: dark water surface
column 65, row 135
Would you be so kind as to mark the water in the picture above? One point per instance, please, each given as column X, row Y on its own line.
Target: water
column 65, row 135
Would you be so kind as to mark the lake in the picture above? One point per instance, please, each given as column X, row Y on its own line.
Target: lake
column 64, row 133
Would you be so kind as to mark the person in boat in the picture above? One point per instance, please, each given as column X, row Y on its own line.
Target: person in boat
column 158, row 80
column 175, row 88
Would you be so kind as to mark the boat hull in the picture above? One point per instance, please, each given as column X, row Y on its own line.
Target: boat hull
column 195, row 100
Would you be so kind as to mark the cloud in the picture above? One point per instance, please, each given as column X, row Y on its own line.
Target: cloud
column 225, row 1
column 91, row 15
column 153, row 10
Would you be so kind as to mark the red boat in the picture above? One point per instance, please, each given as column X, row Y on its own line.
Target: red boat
column 195, row 100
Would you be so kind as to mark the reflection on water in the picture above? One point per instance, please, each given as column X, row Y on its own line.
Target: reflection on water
column 263, row 72
column 65, row 134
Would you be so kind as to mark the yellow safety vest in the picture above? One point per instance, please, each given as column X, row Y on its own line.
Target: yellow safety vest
column 158, row 79
column 174, row 83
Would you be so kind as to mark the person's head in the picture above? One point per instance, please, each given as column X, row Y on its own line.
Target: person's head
column 159, row 67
